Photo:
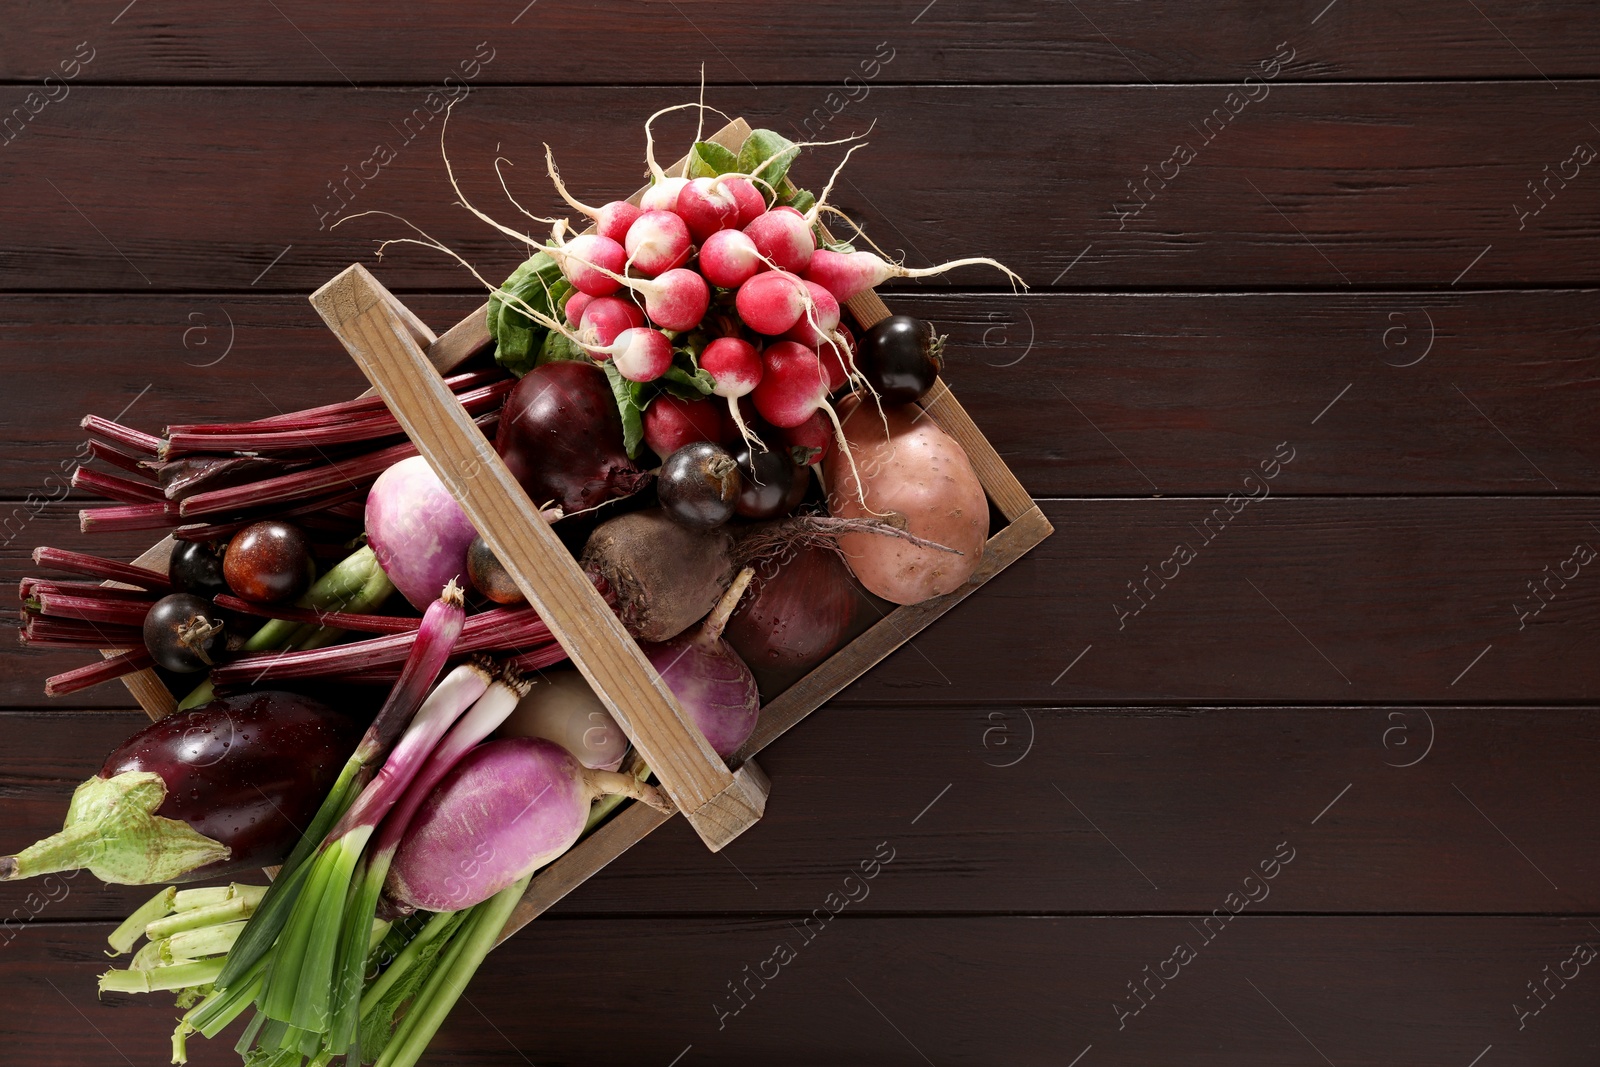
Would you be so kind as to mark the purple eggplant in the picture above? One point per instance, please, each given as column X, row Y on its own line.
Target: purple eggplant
column 200, row 794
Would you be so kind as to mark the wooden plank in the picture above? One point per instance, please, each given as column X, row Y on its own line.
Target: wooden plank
column 718, row 804
column 1395, row 186
column 846, row 58
column 1182, row 384
column 1402, row 839
column 146, row 687
column 1366, row 992
column 1400, row 593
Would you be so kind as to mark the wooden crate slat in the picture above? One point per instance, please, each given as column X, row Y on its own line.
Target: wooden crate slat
column 719, row 804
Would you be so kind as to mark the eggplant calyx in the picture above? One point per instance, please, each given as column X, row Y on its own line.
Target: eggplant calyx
column 112, row 830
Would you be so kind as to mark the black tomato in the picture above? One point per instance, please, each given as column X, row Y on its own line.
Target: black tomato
column 900, row 358
column 184, row 633
column 770, row 484
column 698, row 485
column 268, row 561
column 489, row 576
column 196, row 567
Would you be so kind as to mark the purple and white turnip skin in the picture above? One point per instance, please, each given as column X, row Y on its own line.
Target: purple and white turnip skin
column 417, row 530
column 561, row 436
column 508, row 808
column 561, row 707
column 709, row 679
column 200, row 794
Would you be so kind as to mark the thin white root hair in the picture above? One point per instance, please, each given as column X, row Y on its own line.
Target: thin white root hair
column 927, row 272
column 859, row 232
column 514, row 203
column 561, row 189
column 751, row 438
column 656, row 173
column 427, row 240
column 816, row 209
column 754, row 180
column 850, row 457
column 450, row 172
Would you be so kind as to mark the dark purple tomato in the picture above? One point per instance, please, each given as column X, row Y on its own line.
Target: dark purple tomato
column 196, row 567
column 900, row 358
column 269, row 561
column 699, row 485
column 248, row 770
column 489, row 576
column 184, row 633
column 770, row 484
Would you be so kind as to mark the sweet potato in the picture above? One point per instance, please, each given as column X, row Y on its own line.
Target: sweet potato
column 917, row 478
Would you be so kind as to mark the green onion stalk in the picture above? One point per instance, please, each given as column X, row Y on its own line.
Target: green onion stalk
column 356, row 584
column 260, row 952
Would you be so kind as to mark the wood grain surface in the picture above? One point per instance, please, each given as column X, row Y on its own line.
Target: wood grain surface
column 1304, row 384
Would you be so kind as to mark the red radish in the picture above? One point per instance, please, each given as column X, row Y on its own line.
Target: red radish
column 784, row 236
column 663, row 195
column 811, row 441
column 676, row 299
column 614, row 219
column 816, row 326
column 671, row 422
column 709, row 679
column 574, row 307
column 707, row 206
column 728, row 259
column 656, row 242
column 603, row 320
column 772, row 302
column 752, row 204
column 735, row 369
column 641, row 355
column 589, row 262
column 793, row 386
column 848, row 274
column 506, row 809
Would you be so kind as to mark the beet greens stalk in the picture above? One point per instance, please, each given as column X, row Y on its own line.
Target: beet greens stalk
column 299, row 987
column 436, row 639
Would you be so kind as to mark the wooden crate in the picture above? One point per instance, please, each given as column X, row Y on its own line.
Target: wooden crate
column 405, row 362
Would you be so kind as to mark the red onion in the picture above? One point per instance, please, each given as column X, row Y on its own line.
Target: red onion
column 798, row 613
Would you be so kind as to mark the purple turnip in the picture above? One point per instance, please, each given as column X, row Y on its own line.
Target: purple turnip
column 200, row 794
column 709, row 679
column 418, row 531
column 506, row 809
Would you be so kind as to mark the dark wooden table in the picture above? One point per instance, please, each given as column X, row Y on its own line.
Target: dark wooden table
column 1281, row 751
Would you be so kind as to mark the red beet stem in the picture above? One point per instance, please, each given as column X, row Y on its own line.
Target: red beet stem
column 62, row 559
column 105, row 670
column 340, row 412
column 61, row 633
column 110, row 485
column 502, row 629
column 126, row 436
column 293, row 435
column 116, row 457
column 128, row 517
column 342, row 620
column 360, row 469
column 29, row 586
column 221, row 531
column 91, row 609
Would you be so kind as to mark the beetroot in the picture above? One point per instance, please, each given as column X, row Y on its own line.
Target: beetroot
column 561, row 436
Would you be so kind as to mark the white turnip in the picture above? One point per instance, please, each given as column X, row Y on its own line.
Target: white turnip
column 417, row 530
column 563, row 708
